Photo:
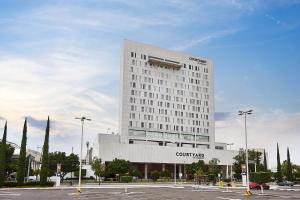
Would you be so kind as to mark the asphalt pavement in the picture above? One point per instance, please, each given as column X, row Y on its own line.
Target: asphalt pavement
column 145, row 193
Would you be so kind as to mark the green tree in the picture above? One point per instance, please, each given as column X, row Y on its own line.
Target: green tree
column 21, row 169
column 119, row 166
column 45, row 158
column 284, row 169
column 135, row 172
column 3, row 156
column 297, row 171
column 99, row 168
column 259, row 165
column 68, row 163
column 279, row 173
column 10, row 166
column 197, row 168
column 265, row 161
column 241, row 159
column 289, row 174
column 214, row 167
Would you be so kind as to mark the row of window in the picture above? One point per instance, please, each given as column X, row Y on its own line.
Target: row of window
column 162, row 111
column 162, row 82
column 177, row 98
column 149, row 117
column 166, row 135
column 150, row 125
column 159, row 72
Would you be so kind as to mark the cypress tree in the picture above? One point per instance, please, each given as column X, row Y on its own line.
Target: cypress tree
column 265, row 161
column 279, row 174
column 289, row 174
column 21, row 170
column 3, row 156
column 45, row 158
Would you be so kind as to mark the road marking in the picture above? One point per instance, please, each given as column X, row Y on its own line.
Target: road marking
column 10, row 194
column 226, row 198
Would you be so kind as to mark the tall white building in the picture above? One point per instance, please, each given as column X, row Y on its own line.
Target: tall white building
column 166, row 112
column 166, row 97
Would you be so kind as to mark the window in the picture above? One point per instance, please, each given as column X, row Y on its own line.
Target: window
column 219, row 147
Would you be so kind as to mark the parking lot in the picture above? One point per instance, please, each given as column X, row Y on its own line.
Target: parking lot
column 145, row 193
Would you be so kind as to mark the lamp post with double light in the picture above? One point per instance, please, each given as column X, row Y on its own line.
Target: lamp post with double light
column 245, row 113
column 82, row 119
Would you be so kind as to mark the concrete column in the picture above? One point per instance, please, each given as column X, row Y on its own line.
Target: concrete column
column 146, row 171
column 227, row 172
column 184, row 171
column 163, row 167
column 180, row 169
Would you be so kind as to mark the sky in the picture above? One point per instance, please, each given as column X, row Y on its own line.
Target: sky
column 62, row 59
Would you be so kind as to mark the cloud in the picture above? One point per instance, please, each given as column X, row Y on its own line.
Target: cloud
column 220, row 116
column 265, row 129
column 37, row 123
column 206, row 39
column 2, row 118
column 62, row 59
column 276, row 21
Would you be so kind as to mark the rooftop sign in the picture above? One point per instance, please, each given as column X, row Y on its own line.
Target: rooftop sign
column 198, row 60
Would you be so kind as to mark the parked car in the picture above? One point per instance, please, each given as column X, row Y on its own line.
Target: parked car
column 257, row 186
column 286, row 183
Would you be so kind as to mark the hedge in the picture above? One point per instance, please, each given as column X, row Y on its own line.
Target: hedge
column 126, row 179
column 28, row 184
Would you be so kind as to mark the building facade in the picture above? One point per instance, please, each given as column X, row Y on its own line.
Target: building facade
column 166, row 97
column 166, row 111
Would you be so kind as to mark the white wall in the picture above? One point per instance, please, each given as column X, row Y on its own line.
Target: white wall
column 110, row 148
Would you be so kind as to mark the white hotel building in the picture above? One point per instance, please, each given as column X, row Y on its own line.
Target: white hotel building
column 166, row 111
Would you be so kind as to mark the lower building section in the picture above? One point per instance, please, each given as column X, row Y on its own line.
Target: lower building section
column 147, row 158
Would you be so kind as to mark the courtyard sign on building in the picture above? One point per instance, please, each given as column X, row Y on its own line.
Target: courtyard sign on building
column 193, row 155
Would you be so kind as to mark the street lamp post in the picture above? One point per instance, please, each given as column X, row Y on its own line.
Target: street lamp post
column 82, row 119
column 245, row 113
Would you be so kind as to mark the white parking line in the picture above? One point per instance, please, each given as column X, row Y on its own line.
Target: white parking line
column 11, row 194
column 226, row 198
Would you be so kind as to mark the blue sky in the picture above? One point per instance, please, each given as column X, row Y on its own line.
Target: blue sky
column 61, row 58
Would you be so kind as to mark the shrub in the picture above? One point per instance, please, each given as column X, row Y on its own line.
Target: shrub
column 28, row 184
column 154, row 175
column 136, row 173
column 165, row 174
column 212, row 177
column 126, row 179
column 10, row 184
column 260, row 177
